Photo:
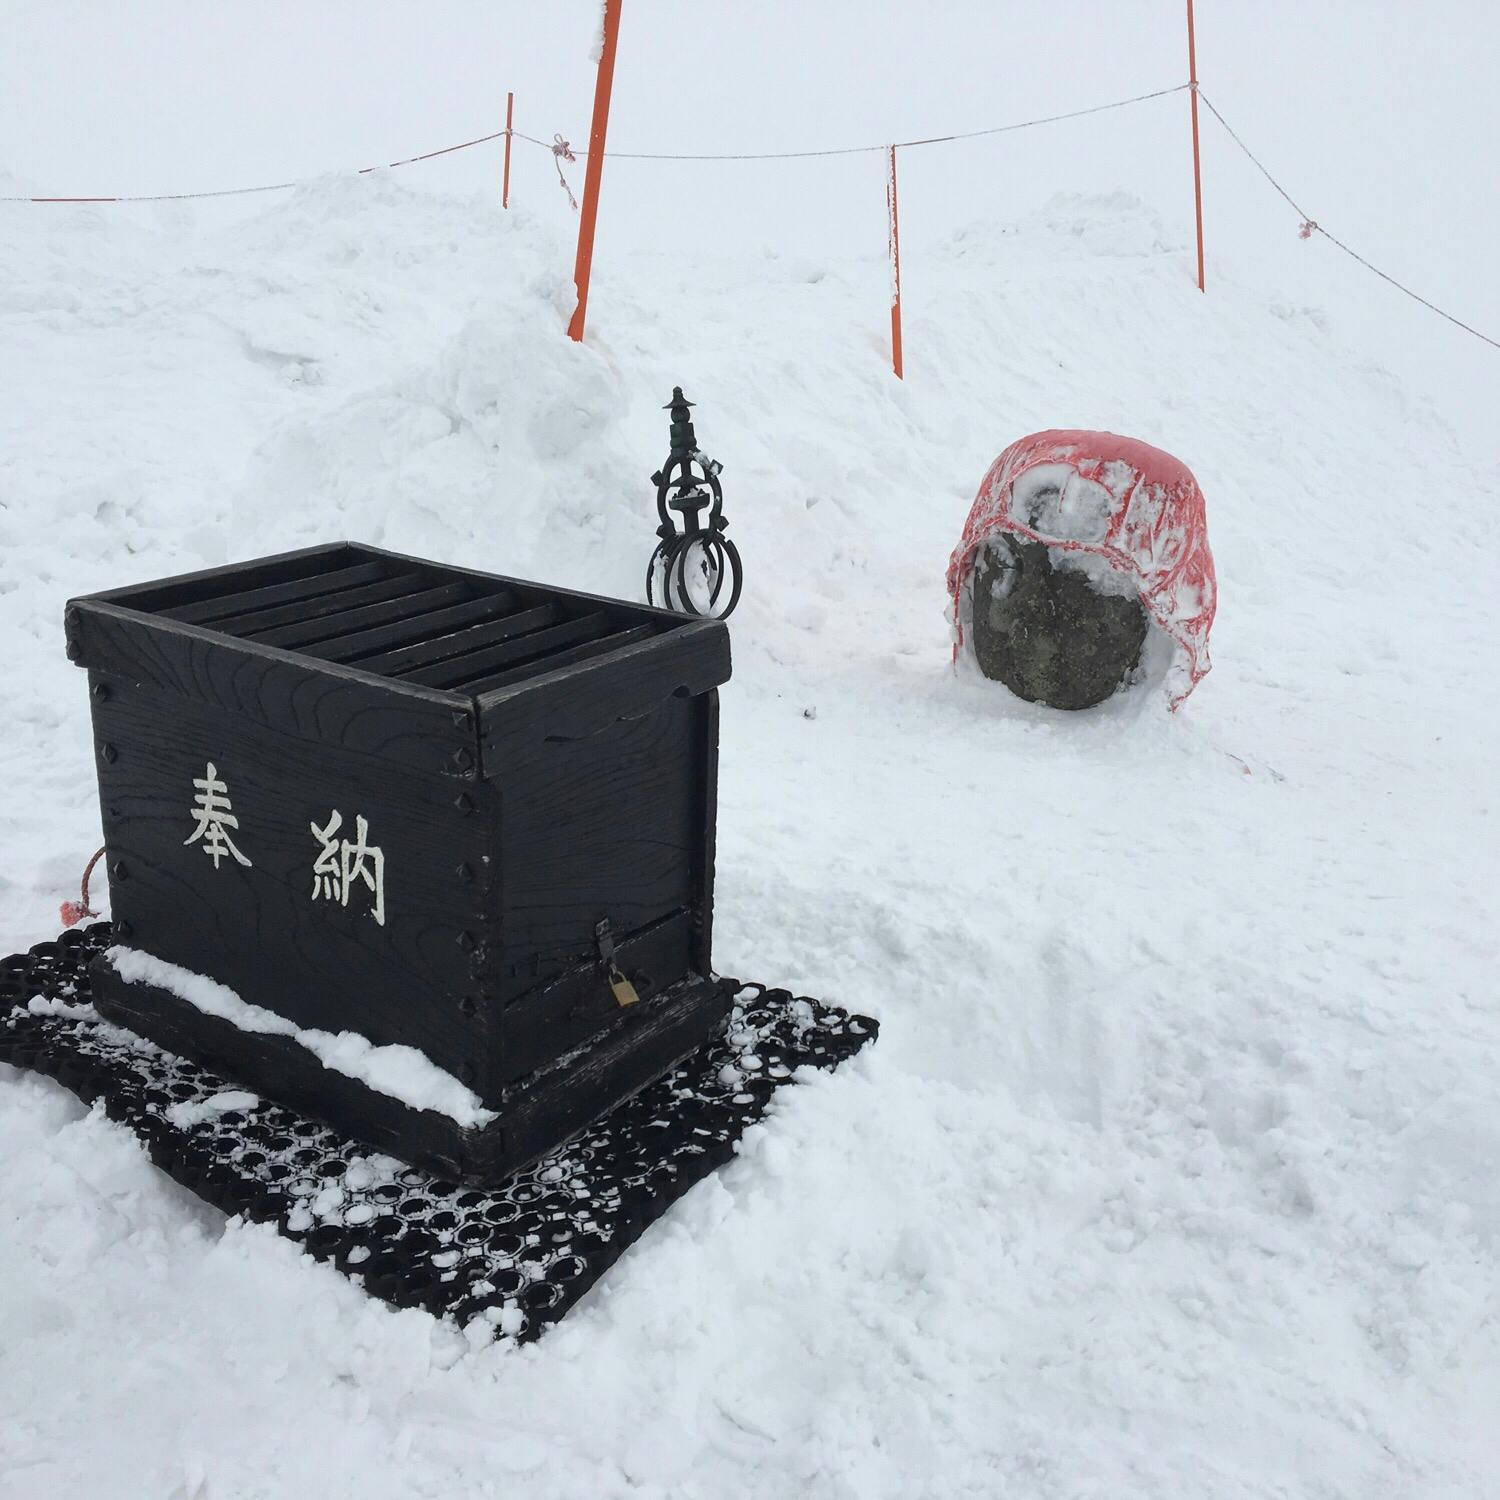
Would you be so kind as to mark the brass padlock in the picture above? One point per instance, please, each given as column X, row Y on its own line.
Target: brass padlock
column 622, row 989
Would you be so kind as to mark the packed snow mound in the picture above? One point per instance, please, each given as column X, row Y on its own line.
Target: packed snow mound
column 509, row 432
column 1105, row 225
column 1161, row 1179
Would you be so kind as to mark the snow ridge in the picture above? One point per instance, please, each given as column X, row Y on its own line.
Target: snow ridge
column 402, row 1073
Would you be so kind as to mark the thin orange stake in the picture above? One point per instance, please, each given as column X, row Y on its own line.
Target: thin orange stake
column 595, row 170
column 1197, row 167
column 510, row 107
column 890, row 200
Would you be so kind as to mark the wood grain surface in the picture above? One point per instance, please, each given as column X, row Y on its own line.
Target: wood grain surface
column 258, row 928
column 530, row 762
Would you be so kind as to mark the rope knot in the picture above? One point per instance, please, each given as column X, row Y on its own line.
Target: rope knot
column 561, row 152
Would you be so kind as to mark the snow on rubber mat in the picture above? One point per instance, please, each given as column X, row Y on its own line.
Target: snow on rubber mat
column 518, row 1256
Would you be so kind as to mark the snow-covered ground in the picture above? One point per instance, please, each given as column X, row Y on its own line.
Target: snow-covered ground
column 1173, row 1171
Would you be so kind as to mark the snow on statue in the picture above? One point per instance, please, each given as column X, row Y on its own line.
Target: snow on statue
column 1084, row 567
column 215, row 816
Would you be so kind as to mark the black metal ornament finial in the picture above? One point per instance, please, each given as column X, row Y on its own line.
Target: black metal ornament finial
column 691, row 566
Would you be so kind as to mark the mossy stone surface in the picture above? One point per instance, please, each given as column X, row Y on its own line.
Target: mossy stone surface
column 1046, row 632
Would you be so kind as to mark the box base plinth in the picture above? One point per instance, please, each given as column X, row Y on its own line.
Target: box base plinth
column 517, row 1254
column 536, row 1115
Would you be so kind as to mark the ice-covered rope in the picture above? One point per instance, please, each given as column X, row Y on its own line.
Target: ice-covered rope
column 929, row 140
column 265, row 187
column 268, row 187
column 1310, row 226
column 562, row 151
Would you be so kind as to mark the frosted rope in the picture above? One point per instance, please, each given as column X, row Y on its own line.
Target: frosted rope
column 1310, row 226
column 482, row 140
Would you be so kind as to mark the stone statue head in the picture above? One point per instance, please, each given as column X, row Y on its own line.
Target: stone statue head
column 1051, row 630
column 1084, row 566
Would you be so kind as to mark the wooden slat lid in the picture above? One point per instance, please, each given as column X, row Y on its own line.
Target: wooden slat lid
column 435, row 666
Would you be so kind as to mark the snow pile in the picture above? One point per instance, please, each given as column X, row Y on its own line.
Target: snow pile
column 1171, row 1172
column 401, row 1073
column 187, row 1115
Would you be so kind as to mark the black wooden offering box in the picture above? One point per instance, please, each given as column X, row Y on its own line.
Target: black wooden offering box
column 435, row 808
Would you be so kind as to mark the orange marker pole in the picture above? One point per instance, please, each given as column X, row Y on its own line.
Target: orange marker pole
column 1197, row 164
column 510, row 107
column 595, row 170
column 895, row 240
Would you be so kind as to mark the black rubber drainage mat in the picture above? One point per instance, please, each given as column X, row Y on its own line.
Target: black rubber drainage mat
column 519, row 1255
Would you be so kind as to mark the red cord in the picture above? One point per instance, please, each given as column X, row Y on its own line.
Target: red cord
column 73, row 912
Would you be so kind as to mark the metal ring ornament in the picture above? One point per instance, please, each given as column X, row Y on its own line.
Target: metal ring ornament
column 721, row 561
column 688, row 483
